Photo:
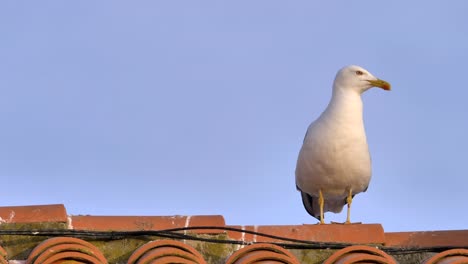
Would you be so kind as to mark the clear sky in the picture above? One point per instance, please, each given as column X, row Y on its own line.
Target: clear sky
column 200, row 107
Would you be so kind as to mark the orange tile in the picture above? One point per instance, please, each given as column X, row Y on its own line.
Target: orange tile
column 160, row 251
column 33, row 214
column 262, row 253
column 141, row 223
column 458, row 255
column 61, row 248
column 360, row 254
column 3, row 256
column 452, row 238
column 338, row 233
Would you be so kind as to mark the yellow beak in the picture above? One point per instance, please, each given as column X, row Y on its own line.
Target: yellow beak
column 381, row 83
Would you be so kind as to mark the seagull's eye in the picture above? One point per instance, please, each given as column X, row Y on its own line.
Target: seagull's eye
column 359, row 72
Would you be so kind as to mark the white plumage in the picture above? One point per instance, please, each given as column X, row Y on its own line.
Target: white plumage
column 334, row 162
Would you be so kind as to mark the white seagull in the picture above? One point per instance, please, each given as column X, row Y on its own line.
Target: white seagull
column 334, row 163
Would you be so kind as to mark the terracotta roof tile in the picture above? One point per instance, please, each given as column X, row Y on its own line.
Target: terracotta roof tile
column 46, row 234
column 360, row 254
column 452, row 238
column 262, row 253
column 166, row 251
column 33, row 214
column 3, row 256
column 139, row 223
column 337, row 233
column 65, row 248
column 454, row 256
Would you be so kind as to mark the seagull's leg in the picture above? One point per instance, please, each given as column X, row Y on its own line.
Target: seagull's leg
column 321, row 204
column 349, row 200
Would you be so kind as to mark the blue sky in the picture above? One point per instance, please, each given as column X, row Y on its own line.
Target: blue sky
column 183, row 107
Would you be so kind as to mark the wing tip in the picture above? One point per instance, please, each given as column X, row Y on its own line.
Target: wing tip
column 308, row 201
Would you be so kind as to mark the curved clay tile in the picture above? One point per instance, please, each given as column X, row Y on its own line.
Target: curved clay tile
column 262, row 252
column 451, row 256
column 65, row 248
column 166, row 251
column 3, row 256
column 359, row 254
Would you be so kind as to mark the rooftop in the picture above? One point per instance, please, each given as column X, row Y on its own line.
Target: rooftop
column 47, row 234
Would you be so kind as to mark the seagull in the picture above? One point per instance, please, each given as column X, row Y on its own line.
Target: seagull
column 334, row 163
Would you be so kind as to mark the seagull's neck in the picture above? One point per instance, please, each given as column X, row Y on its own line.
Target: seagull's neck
column 345, row 106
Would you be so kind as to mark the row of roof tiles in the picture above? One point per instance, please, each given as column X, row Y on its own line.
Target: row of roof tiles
column 73, row 250
column 54, row 249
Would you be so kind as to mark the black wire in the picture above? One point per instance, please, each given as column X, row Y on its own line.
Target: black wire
column 171, row 233
column 325, row 244
column 174, row 233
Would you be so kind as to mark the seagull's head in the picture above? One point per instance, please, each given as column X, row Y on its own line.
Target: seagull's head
column 358, row 79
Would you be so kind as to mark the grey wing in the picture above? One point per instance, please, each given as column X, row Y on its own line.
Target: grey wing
column 310, row 204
